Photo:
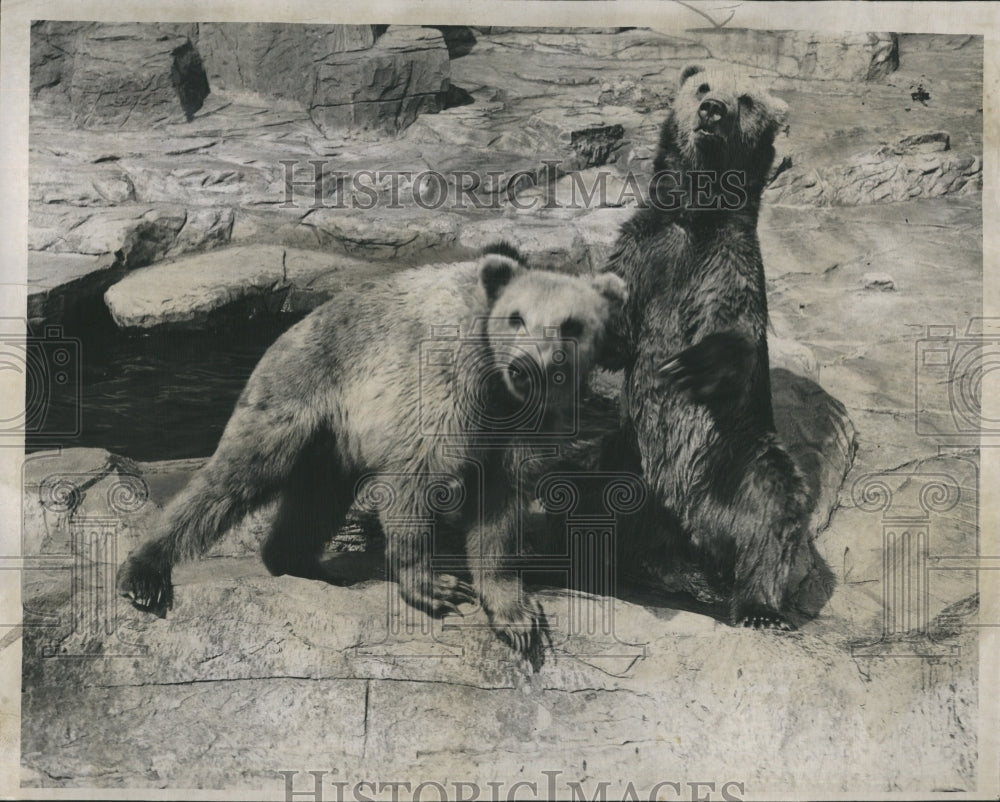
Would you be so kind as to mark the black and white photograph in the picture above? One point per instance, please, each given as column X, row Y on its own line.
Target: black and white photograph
column 500, row 401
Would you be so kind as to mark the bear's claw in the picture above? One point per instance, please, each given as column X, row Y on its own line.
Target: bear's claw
column 525, row 629
column 146, row 587
column 762, row 621
column 442, row 597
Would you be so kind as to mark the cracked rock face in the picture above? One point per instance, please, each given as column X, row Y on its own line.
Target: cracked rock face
column 919, row 166
column 123, row 77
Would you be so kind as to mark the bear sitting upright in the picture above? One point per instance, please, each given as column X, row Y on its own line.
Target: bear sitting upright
column 349, row 396
column 696, row 398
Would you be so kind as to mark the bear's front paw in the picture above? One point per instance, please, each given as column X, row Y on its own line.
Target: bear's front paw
column 525, row 629
column 718, row 366
column 146, row 586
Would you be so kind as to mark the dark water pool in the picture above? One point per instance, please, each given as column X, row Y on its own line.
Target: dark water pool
column 166, row 395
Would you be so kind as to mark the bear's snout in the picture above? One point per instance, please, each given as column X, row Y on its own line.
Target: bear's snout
column 544, row 380
column 711, row 114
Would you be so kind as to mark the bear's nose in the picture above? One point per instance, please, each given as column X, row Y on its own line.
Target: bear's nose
column 711, row 111
column 524, row 374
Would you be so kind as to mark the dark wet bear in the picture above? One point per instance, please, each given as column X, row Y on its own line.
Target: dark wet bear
column 696, row 399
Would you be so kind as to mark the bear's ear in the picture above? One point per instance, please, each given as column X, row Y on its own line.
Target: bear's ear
column 611, row 287
column 496, row 272
column 504, row 248
column 687, row 72
column 778, row 110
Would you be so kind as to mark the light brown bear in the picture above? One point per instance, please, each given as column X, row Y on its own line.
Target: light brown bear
column 433, row 386
column 696, row 397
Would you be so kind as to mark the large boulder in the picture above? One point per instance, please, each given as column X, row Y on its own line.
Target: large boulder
column 405, row 74
column 190, row 291
column 135, row 75
column 53, row 43
column 274, row 58
column 340, row 73
column 77, row 254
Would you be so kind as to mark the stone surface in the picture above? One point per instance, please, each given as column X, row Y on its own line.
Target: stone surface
column 540, row 98
column 188, row 292
column 341, row 74
column 807, row 54
column 866, row 341
column 915, row 167
column 237, row 634
column 274, row 58
column 872, row 681
column 405, row 74
column 58, row 281
column 53, row 44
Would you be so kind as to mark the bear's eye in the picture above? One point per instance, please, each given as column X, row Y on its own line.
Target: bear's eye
column 746, row 101
column 704, row 89
column 571, row 329
column 515, row 321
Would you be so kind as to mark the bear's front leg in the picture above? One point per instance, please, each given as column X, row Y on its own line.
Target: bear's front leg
column 716, row 368
column 516, row 617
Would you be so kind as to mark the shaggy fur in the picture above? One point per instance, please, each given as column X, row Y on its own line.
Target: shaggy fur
column 349, row 395
column 696, row 397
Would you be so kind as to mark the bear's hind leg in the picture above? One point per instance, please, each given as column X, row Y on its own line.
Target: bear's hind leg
column 314, row 501
column 769, row 526
column 255, row 455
